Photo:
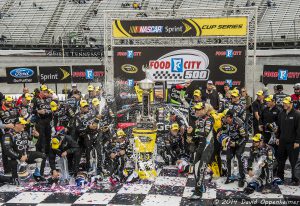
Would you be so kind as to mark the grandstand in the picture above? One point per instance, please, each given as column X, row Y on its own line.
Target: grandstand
column 78, row 22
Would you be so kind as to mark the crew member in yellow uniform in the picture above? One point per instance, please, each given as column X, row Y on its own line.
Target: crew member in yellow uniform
column 215, row 163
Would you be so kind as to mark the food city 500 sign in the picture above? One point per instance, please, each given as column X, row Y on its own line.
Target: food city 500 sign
column 217, row 26
column 179, row 64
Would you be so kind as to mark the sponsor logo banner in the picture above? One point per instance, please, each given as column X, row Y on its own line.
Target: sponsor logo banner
column 55, row 74
column 280, row 74
column 178, row 64
column 86, row 73
column 218, row 26
column 16, row 75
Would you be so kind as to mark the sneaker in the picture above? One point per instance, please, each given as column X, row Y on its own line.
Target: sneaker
column 39, row 178
column 228, row 180
column 241, row 183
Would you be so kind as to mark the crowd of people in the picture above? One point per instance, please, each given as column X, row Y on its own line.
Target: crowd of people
column 211, row 139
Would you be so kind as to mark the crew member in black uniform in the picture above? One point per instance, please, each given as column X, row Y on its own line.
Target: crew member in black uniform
column 15, row 144
column 8, row 115
column 288, row 138
column 64, row 146
column 234, row 128
column 42, row 110
column 236, row 106
column 279, row 96
column 269, row 119
column 202, row 133
column 87, row 131
column 257, row 107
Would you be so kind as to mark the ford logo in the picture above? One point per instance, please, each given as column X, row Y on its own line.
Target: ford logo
column 128, row 68
column 228, row 68
column 21, row 73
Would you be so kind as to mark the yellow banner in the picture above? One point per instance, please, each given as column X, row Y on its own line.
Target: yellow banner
column 234, row 26
column 193, row 27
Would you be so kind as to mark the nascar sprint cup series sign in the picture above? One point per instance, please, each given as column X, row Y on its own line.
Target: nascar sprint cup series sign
column 16, row 75
column 176, row 65
column 189, row 27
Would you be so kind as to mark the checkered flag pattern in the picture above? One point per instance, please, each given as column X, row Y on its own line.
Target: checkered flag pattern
column 167, row 75
column 169, row 188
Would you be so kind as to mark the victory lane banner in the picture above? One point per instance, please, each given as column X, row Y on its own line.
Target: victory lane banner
column 88, row 73
column 193, row 27
column 15, row 75
column 281, row 74
column 55, row 74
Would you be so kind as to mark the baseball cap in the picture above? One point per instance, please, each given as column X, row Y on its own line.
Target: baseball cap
column 74, row 85
column 44, row 88
column 90, row 88
column 257, row 138
column 83, row 103
column 120, row 133
column 55, row 142
column 53, row 106
column 287, row 100
column 197, row 92
column 95, row 101
column 8, row 98
column 259, row 93
column 21, row 120
column 51, row 91
column 97, row 88
column 175, row 126
column 269, row 98
column 199, row 105
column 28, row 97
column 235, row 93
column 210, row 82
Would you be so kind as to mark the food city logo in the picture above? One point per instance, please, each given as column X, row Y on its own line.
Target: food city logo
column 21, row 73
column 129, row 54
column 65, row 74
column 180, row 65
column 229, row 53
column 129, row 68
column 228, row 68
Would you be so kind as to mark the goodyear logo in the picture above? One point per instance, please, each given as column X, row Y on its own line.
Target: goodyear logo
column 129, row 68
column 228, row 69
